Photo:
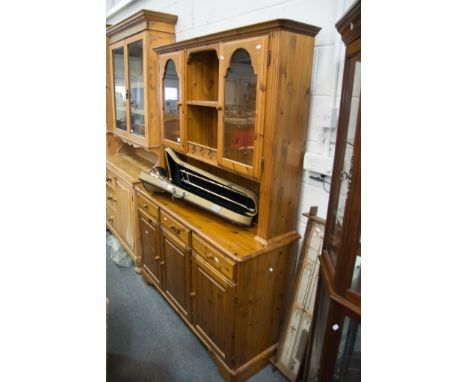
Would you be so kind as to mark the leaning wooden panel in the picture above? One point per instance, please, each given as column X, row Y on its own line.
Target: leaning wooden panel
column 295, row 333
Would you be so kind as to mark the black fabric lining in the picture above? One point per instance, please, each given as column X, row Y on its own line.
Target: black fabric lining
column 181, row 180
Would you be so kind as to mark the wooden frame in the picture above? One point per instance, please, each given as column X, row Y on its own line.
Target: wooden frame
column 289, row 369
column 257, row 48
column 178, row 59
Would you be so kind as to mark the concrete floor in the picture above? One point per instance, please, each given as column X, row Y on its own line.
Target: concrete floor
column 148, row 342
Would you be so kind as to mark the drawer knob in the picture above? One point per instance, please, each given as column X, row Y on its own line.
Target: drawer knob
column 108, row 178
column 176, row 230
column 162, row 263
column 157, row 258
column 192, row 294
column 145, row 206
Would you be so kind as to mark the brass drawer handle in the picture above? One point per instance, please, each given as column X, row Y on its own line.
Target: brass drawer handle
column 176, row 230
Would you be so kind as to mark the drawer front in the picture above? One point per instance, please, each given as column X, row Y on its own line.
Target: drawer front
column 110, row 197
column 148, row 207
column 176, row 228
column 213, row 257
column 110, row 179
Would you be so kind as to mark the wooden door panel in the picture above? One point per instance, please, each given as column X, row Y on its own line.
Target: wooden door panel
column 213, row 307
column 150, row 248
column 176, row 270
column 124, row 224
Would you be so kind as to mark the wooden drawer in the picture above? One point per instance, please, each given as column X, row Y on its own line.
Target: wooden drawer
column 176, row 228
column 110, row 179
column 148, row 207
column 213, row 257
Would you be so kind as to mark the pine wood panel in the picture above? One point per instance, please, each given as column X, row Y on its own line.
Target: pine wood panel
column 202, row 75
column 287, row 112
column 213, row 306
column 177, row 273
column 151, row 252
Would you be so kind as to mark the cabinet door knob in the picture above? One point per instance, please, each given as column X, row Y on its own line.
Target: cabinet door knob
column 157, row 258
column 192, row 294
column 162, row 263
column 108, row 178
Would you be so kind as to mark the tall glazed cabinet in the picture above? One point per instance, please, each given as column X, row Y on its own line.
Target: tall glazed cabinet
column 334, row 348
column 133, row 131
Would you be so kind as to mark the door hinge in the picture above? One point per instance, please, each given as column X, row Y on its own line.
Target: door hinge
column 268, row 57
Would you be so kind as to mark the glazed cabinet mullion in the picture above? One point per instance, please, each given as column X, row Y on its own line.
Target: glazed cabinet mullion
column 242, row 86
column 119, row 88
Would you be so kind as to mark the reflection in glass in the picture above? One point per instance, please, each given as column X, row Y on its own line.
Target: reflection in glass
column 319, row 334
column 171, row 103
column 338, row 209
column 137, row 90
column 119, row 88
column 356, row 280
column 348, row 361
column 239, row 109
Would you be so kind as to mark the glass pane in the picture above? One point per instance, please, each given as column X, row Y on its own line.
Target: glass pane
column 239, row 109
column 319, row 334
column 171, row 103
column 340, row 192
column 137, row 89
column 348, row 361
column 119, row 88
column 356, row 281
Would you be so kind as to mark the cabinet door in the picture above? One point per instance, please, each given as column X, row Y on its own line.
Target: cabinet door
column 150, row 246
column 177, row 272
column 242, row 89
column 123, row 194
column 119, row 88
column 136, row 86
column 171, row 69
column 213, row 306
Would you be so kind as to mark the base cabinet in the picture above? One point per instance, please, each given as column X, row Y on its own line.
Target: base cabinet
column 213, row 306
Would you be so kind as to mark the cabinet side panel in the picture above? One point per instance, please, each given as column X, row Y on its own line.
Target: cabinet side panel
column 261, row 288
column 289, row 86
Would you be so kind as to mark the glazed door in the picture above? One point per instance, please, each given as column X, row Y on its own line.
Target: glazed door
column 119, row 88
column 136, row 87
column 123, row 194
column 151, row 248
column 171, row 69
column 242, row 84
column 177, row 272
column 213, row 306
column 345, row 171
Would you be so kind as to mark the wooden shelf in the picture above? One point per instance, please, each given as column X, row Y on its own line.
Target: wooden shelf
column 203, row 103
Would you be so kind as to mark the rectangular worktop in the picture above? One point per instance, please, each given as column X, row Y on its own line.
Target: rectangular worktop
column 239, row 243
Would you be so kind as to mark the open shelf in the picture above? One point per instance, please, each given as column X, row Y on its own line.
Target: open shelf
column 203, row 103
column 202, row 130
column 202, row 76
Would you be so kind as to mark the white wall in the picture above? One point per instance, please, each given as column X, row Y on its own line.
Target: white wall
column 201, row 17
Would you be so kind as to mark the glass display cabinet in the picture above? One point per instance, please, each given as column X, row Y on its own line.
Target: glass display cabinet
column 334, row 348
column 133, row 75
